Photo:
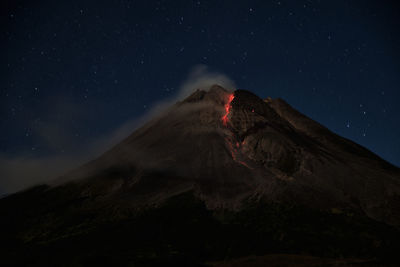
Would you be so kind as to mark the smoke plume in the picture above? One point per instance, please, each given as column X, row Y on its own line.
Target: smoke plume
column 24, row 170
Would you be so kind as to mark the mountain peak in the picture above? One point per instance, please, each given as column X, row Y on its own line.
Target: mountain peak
column 230, row 146
column 260, row 165
column 216, row 94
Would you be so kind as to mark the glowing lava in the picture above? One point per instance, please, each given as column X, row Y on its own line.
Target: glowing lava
column 235, row 152
column 234, row 149
column 228, row 108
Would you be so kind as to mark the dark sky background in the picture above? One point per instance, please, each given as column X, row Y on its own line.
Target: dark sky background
column 72, row 72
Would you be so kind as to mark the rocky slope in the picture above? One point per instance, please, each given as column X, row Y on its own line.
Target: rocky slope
column 214, row 173
column 229, row 147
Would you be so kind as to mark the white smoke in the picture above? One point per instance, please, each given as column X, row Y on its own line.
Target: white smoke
column 20, row 171
column 201, row 78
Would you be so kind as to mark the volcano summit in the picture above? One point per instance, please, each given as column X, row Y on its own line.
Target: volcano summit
column 219, row 176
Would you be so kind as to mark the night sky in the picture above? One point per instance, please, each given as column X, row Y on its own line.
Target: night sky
column 72, row 72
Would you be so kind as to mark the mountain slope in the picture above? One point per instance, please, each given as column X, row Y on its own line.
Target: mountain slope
column 213, row 174
column 263, row 150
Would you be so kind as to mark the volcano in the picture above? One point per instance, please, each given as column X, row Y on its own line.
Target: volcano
column 220, row 178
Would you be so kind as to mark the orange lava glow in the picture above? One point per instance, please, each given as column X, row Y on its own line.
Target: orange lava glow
column 228, row 108
column 235, row 153
column 234, row 147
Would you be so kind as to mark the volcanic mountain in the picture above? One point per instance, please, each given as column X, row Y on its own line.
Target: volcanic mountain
column 218, row 176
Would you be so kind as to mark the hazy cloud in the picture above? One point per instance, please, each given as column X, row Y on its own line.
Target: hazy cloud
column 21, row 171
column 201, row 78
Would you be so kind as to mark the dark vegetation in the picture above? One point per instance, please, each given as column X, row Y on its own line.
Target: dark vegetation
column 180, row 232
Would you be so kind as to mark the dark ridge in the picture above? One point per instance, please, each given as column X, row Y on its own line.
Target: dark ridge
column 245, row 100
column 304, row 124
column 183, row 232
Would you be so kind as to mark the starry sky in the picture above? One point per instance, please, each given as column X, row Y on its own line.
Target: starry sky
column 74, row 71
